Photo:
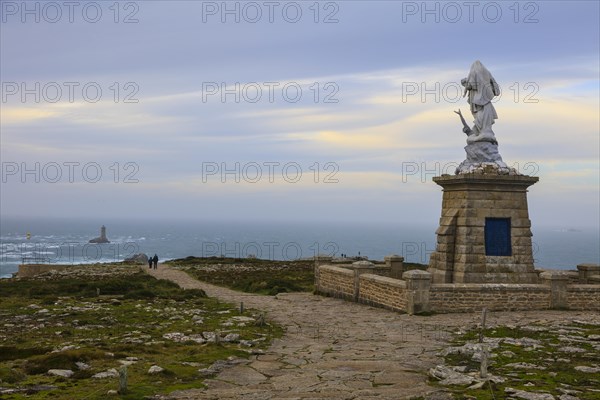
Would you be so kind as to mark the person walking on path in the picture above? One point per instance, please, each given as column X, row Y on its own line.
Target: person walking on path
column 155, row 260
column 150, row 262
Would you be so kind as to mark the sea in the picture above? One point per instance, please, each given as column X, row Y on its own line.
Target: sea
column 65, row 241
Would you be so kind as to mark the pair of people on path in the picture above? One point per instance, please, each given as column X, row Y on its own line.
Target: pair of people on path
column 153, row 260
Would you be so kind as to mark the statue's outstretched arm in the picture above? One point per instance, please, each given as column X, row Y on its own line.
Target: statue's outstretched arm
column 466, row 128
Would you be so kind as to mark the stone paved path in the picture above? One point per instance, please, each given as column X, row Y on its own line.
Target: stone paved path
column 340, row 350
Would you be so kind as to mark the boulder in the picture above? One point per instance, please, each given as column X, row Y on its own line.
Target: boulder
column 589, row 370
column 448, row 376
column 65, row 373
column 82, row 366
column 111, row 373
column 155, row 369
column 140, row 258
column 521, row 394
column 232, row 338
column 524, row 365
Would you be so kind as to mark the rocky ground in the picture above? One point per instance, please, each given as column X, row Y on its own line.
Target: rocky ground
column 334, row 349
column 192, row 347
column 545, row 360
column 69, row 334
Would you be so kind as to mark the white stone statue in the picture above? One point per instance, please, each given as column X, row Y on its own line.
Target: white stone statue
column 481, row 87
column 482, row 146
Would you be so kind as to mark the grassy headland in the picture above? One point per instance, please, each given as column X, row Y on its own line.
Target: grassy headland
column 92, row 320
column 250, row 274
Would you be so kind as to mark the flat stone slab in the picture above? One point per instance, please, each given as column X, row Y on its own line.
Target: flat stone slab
column 65, row 373
column 269, row 368
column 334, row 349
column 242, row 375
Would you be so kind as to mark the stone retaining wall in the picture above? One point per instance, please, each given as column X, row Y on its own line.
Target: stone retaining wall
column 446, row 298
column 414, row 293
column 584, row 297
column 383, row 291
column 336, row 281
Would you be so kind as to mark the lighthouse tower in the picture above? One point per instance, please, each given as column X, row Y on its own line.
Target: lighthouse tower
column 102, row 238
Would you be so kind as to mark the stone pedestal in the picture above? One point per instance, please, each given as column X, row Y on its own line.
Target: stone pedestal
column 359, row 268
column 396, row 265
column 558, row 286
column 417, row 285
column 587, row 271
column 476, row 205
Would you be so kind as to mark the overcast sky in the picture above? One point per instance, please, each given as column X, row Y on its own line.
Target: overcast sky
column 211, row 110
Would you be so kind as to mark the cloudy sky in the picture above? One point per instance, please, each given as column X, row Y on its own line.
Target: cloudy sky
column 283, row 110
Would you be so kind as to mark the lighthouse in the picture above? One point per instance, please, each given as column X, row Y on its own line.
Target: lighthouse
column 102, row 238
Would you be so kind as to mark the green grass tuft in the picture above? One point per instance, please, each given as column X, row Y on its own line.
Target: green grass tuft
column 252, row 275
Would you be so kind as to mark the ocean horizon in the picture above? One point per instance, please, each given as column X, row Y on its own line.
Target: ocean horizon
column 65, row 241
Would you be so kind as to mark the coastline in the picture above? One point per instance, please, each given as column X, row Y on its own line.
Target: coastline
column 66, row 242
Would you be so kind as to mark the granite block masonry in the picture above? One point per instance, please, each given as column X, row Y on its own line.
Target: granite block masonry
column 484, row 234
column 416, row 294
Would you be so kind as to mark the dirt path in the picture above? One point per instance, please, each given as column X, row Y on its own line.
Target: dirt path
column 340, row 350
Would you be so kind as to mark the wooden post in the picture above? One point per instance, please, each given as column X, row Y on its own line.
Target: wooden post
column 123, row 380
column 482, row 328
column 484, row 352
column 484, row 362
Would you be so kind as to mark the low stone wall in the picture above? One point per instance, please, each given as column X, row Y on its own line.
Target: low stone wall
column 446, row 298
column 383, row 291
column 30, row 270
column 589, row 273
column 584, row 297
column 414, row 293
column 336, row 281
column 382, row 270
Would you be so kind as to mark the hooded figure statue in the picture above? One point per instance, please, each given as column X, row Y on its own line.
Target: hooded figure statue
column 481, row 87
column 482, row 147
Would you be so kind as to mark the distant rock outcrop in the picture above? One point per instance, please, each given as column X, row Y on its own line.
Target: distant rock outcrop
column 140, row 258
column 102, row 238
